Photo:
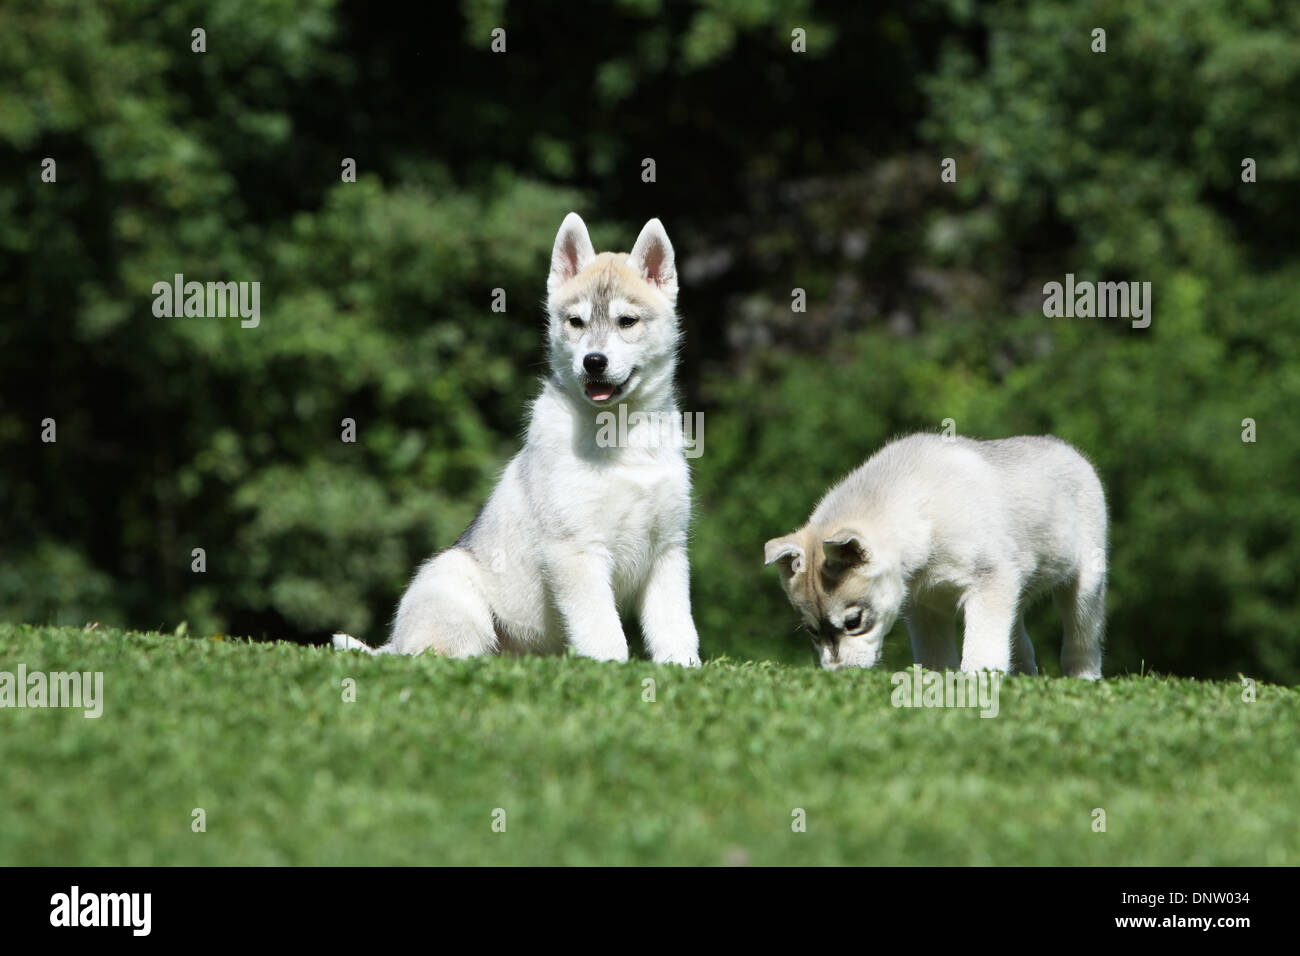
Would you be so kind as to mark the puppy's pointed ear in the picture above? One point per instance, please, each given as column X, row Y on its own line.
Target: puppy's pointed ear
column 788, row 551
column 652, row 256
column 845, row 549
column 572, row 253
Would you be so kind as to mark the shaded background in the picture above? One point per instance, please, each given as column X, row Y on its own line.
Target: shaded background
column 775, row 171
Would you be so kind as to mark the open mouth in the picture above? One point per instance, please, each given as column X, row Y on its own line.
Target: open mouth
column 603, row 390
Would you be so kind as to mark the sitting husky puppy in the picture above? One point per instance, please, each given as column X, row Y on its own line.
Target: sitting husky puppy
column 578, row 526
column 932, row 524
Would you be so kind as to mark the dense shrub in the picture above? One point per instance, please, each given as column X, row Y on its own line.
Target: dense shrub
column 776, row 171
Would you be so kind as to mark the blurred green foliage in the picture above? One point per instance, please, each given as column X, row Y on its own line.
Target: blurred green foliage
column 776, row 171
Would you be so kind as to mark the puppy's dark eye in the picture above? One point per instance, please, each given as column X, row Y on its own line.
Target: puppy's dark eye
column 627, row 321
column 575, row 322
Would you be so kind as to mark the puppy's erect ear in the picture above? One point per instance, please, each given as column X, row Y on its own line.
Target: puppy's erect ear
column 652, row 256
column 572, row 253
column 845, row 549
column 787, row 550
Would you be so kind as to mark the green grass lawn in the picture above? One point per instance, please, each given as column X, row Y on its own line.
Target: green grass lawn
column 587, row 772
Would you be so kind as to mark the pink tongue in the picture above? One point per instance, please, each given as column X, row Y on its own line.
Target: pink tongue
column 599, row 392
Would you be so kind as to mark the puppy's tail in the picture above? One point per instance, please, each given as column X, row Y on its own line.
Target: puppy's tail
column 346, row 642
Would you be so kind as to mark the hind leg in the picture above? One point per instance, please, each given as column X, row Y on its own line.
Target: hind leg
column 1082, row 604
column 1023, row 654
column 445, row 609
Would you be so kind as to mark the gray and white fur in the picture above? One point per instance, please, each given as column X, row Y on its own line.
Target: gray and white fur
column 931, row 525
column 578, row 529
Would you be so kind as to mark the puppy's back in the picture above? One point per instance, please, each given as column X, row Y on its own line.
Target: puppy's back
column 1039, row 473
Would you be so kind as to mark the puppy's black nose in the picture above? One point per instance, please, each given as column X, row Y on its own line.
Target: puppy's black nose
column 595, row 363
column 852, row 620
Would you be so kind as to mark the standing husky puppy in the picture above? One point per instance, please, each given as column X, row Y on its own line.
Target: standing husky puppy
column 930, row 525
column 578, row 528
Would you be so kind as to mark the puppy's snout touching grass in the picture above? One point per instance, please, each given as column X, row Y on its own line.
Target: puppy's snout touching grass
column 930, row 529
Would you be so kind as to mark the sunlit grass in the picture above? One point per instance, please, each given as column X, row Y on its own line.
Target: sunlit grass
column 588, row 770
